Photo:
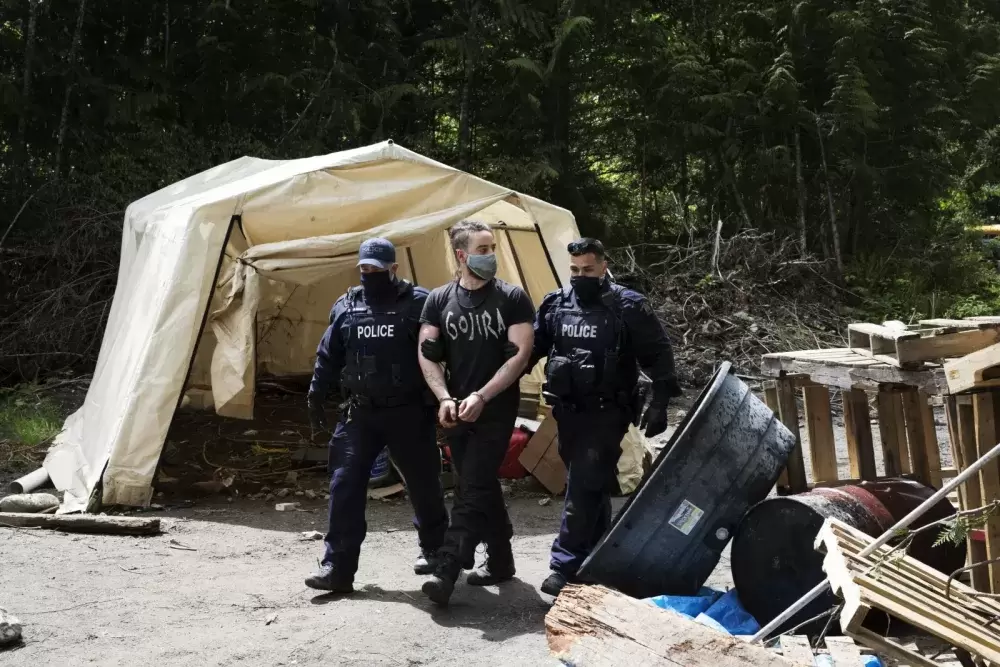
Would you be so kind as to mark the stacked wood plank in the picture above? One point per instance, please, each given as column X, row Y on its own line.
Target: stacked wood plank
column 909, row 591
column 932, row 340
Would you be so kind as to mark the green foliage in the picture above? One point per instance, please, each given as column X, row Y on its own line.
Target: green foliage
column 28, row 422
column 867, row 128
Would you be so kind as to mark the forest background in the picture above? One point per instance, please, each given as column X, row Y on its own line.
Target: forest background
column 766, row 170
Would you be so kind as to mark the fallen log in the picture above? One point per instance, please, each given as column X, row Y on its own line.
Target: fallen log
column 595, row 626
column 83, row 523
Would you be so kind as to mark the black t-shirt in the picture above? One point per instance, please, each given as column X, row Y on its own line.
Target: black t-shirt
column 474, row 327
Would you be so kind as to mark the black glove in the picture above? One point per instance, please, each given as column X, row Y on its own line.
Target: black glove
column 433, row 350
column 654, row 419
column 317, row 415
column 640, row 394
column 510, row 350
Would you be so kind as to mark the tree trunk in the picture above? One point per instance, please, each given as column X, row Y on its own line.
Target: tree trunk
column 800, row 184
column 557, row 105
column 166, row 35
column 642, row 205
column 70, row 86
column 684, row 187
column 835, row 232
column 465, row 103
column 731, row 178
column 21, row 147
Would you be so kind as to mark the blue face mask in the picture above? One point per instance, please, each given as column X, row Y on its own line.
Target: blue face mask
column 483, row 266
column 377, row 285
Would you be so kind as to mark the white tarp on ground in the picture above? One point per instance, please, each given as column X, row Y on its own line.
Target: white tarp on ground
column 265, row 248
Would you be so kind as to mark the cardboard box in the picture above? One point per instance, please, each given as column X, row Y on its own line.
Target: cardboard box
column 541, row 457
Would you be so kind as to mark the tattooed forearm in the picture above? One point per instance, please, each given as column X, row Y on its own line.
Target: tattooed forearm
column 434, row 375
column 433, row 371
column 510, row 372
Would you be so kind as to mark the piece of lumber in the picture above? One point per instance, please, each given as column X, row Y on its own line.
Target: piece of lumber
column 944, row 346
column 860, row 446
column 904, row 450
column 594, row 626
column 83, row 523
column 771, row 400
column 861, row 372
column 970, row 323
column 984, row 409
column 788, row 413
column 913, row 415
column 973, row 494
column 892, row 648
column 843, row 651
column 874, row 339
column 891, row 433
column 973, row 369
column 955, row 443
column 907, row 590
column 819, row 427
column 797, row 649
column 932, row 450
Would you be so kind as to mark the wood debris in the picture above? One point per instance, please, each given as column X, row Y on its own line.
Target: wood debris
column 594, row 625
column 83, row 523
column 909, row 591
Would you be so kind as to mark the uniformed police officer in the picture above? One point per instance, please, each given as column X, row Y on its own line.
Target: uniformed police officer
column 369, row 351
column 596, row 334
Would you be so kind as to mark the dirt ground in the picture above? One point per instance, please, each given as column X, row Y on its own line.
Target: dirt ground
column 223, row 586
column 224, row 583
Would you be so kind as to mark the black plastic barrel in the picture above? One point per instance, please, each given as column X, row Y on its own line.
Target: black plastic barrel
column 725, row 456
column 774, row 561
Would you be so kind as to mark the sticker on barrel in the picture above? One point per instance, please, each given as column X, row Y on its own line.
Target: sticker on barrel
column 686, row 517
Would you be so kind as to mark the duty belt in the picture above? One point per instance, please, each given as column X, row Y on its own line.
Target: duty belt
column 359, row 401
column 585, row 403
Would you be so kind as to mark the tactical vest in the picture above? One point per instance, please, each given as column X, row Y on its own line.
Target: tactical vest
column 586, row 344
column 381, row 356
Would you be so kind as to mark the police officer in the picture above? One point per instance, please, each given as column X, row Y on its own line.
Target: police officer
column 596, row 334
column 369, row 351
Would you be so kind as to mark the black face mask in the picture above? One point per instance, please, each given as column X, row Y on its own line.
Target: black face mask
column 378, row 285
column 587, row 288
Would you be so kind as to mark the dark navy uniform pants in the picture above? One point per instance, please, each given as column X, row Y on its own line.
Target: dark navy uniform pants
column 410, row 434
column 590, row 446
column 479, row 513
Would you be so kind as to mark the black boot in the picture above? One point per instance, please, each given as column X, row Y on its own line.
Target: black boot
column 442, row 584
column 427, row 562
column 554, row 583
column 327, row 578
column 498, row 568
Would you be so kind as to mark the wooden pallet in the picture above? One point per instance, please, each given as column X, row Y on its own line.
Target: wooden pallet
column 932, row 340
column 908, row 590
column 842, row 650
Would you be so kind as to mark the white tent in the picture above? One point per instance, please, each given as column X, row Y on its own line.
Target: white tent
column 207, row 262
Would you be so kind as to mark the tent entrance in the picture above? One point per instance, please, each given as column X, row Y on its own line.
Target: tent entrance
column 260, row 325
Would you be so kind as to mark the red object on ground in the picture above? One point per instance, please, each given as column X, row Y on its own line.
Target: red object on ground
column 511, row 468
column 978, row 535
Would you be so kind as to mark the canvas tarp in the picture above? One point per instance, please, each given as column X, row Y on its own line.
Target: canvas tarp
column 243, row 263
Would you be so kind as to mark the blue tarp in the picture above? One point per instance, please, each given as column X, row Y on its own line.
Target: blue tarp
column 723, row 612
column 715, row 609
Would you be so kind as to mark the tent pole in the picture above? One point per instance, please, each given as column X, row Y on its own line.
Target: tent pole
column 413, row 267
column 545, row 248
column 517, row 262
